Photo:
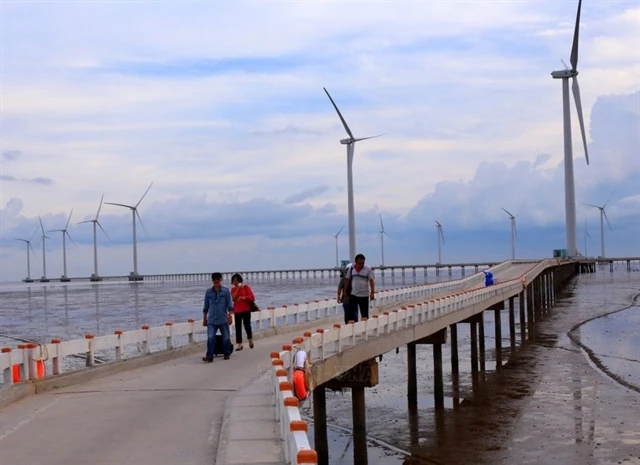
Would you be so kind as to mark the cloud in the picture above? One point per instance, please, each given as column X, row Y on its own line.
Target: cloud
column 10, row 155
column 306, row 194
column 38, row 180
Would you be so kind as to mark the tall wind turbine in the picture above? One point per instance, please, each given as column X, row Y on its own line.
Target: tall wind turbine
column 350, row 143
column 29, row 246
column 586, row 234
column 336, row 237
column 440, row 241
column 569, row 187
column 603, row 216
column 382, row 233
column 96, row 276
column 44, row 237
column 134, row 212
column 514, row 234
column 65, row 233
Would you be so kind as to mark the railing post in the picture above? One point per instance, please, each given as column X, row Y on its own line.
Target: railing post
column 31, row 354
column 192, row 331
column 145, row 343
column 24, row 366
column 90, row 353
column 8, row 372
column 170, row 336
column 55, row 361
column 321, row 332
column 119, row 346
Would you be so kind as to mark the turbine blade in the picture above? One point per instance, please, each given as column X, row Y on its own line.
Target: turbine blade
column 141, row 223
column 381, row 224
column 588, row 235
column 590, row 205
column 576, row 97
column 606, row 218
column 119, row 205
column 344, row 123
column 32, row 251
column 67, row 225
column 18, row 239
column 69, row 236
column 609, row 199
column 576, row 34
column 442, row 235
column 98, row 214
column 439, row 225
column 105, row 232
column 145, row 193
column 370, row 137
column 339, row 231
column 515, row 227
column 34, row 233
column 41, row 227
column 564, row 64
column 507, row 212
column 87, row 221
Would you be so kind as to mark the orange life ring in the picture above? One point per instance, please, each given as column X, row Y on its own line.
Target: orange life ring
column 299, row 384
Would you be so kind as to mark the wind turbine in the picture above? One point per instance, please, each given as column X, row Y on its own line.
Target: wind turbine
column 29, row 246
column 514, row 234
column 336, row 236
column 44, row 237
column 134, row 212
column 603, row 216
column 350, row 143
column 586, row 234
column 64, row 246
column 382, row 233
column 95, row 222
column 569, row 187
column 440, row 237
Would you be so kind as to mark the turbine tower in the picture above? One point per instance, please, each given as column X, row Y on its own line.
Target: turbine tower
column 586, row 234
column 134, row 212
column 569, row 187
column 382, row 233
column 514, row 234
column 65, row 233
column 96, row 276
column 440, row 241
column 29, row 246
column 350, row 143
column 336, row 236
column 44, row 237
column 603, row 216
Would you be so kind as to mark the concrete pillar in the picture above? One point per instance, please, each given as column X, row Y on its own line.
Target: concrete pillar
column 455, row 367
column 530, row 312
column 512, row 322
column 321, row 443
column 474, row 346
column 438, row 389
column 412, row 384
column 359, row 426
column 522, row 318
column 481, row 342
column 498, row 331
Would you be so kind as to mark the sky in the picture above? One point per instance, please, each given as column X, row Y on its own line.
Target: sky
column 220, row 105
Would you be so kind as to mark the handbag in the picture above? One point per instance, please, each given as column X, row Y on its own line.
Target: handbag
column 253, row 307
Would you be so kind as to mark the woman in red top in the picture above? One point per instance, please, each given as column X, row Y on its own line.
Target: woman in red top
column 241, row 294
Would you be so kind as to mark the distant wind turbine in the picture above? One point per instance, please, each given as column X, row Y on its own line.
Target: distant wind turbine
column 586, row 234
column 382, row 233
column 603, row 216
column 440, row 241
column 134, row 213
column 29, row 246
column 514, row 234
column 65, row 233
column 96, row 276
column 350, row 143
column 44, row 237
column 569, row 186
column 336, row 237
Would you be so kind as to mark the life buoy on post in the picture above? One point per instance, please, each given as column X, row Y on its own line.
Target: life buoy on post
column 300, row 381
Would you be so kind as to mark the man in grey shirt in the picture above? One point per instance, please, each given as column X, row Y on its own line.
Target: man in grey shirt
column 360, row 277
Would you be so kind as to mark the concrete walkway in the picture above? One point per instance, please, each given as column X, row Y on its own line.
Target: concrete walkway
column 170, row 413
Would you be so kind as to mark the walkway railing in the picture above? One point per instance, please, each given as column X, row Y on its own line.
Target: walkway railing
column 327, row 342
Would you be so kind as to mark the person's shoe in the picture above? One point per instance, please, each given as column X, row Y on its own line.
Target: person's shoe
column 250, row 344
column 238, row 347
column 207, row 359
column 226, row 357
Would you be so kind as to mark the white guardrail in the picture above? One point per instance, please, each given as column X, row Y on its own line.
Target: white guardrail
column 327, row 342
column 34, row 361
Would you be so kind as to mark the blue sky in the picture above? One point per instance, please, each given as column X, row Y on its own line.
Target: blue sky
column 221, row 105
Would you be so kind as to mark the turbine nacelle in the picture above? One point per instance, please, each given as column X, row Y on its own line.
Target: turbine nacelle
column 347, row 141
column 564, row 74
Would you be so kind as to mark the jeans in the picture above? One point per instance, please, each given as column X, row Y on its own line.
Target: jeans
column 243, row 319
column 211, row 338
column 354, row 303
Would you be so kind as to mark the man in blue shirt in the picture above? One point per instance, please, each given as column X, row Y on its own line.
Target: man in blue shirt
column 217, row 315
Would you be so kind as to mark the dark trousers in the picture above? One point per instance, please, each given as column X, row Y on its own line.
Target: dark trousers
column 355, row 303
column 211, row 338
column 243, row 319
column 345, row 307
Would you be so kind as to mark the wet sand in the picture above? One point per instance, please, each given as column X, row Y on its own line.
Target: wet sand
column 550, row 403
